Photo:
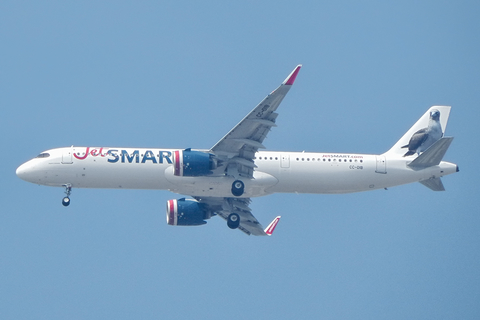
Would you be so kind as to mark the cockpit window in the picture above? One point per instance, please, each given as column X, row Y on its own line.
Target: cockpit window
column 43, row 155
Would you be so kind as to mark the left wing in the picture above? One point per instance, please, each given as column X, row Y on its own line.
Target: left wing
column 238, row 147
column 224, row 207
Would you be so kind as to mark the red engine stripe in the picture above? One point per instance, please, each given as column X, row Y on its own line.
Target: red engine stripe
column 177, row 163
column 171, row 212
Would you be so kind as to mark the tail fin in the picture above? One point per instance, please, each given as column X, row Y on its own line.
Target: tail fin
column 422, row 123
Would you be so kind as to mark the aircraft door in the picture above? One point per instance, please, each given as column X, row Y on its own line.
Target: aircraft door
column 67, row 156
column 381, row 164
column 285, row 161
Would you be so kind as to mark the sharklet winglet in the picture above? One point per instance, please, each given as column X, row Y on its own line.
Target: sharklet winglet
column 292, row 76
column 271, row 227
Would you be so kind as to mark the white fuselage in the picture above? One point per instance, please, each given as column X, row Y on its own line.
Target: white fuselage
column 288, row 172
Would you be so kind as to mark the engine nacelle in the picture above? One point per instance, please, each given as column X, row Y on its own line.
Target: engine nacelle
column 186, row 212
column 188, row 163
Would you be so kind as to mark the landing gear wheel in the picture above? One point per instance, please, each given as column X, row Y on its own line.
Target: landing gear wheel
column 66, row 201
column 68, row 191
column 233, row 221
column 237, row 188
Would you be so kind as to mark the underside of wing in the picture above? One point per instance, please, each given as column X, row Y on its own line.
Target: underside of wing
column 238, row 147
column 227, row 208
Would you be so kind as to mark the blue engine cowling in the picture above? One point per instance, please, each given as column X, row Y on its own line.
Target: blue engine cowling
column 188, row 163
column 186, row 212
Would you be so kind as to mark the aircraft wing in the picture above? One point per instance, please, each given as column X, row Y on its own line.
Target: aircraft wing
column 248, row 223
column 238, row 147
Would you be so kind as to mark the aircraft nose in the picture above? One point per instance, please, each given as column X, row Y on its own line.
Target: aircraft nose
column 21, row 171
column 24, row 170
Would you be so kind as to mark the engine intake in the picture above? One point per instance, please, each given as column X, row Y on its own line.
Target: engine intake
column 186, row 212
column 188, row 163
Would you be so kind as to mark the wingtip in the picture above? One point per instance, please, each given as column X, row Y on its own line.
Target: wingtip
column 291, row 78
column 271, row 227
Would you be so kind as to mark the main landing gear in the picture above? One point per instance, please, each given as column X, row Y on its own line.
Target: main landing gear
column 233, row 221
column 237, row 188
column 68, row 191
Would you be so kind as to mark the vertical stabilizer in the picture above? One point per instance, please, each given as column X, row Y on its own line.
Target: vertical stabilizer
column 425, row 132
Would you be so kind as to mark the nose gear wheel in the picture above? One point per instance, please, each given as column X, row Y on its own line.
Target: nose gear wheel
column 68, row 191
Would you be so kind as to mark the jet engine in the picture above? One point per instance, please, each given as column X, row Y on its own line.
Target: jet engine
column 188, row 163
column 186, row 212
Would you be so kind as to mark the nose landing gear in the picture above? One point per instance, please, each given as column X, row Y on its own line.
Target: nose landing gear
column 68, row 191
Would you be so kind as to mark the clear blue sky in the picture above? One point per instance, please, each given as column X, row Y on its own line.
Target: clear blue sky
column 181, row 74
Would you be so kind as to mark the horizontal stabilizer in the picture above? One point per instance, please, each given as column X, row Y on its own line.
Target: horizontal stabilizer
column 433, row 183
column 433, row 155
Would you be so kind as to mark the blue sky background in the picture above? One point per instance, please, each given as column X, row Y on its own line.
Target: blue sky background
column 181, row 74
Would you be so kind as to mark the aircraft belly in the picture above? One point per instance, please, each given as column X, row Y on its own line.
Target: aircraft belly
column 220, row 186
column 334, row 181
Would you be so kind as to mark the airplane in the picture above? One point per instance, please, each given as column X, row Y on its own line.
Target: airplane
column 223, row 179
